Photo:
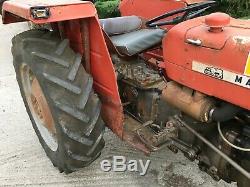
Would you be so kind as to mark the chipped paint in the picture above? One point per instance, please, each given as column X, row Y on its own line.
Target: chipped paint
column 241, row 40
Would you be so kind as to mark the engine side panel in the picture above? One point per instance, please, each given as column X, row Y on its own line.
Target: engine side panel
column 212, row 68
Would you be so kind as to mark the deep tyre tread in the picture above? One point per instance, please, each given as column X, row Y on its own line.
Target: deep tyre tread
column 69, row 93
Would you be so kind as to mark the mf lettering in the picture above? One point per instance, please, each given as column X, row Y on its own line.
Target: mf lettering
column 245, row 81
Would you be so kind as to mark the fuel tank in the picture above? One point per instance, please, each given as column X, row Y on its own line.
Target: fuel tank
column 211, row 54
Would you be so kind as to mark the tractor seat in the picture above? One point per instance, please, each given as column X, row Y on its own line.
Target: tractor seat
column 128, row 37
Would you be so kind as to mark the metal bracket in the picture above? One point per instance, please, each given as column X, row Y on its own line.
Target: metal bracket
column 156, row 141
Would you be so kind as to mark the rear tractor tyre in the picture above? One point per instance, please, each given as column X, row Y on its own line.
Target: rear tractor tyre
column 59, row 98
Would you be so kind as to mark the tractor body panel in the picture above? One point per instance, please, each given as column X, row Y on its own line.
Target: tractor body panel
column 218, row 67
column 79, row 23
column 149, row 9
column 20, row 11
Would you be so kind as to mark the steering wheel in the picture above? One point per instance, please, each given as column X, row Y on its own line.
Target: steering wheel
column 190, row 12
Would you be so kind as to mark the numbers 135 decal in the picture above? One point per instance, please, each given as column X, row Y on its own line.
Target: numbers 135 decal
column 221, row 74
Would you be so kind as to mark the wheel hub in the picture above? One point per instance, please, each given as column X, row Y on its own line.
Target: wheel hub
column 38, row 106
column 41, row 107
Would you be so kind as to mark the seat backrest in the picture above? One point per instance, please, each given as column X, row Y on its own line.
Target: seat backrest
column 121, row 25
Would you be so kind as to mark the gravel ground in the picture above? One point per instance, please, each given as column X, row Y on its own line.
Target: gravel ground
column 24, row 163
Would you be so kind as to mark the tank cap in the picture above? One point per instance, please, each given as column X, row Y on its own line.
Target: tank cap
column 217, row 21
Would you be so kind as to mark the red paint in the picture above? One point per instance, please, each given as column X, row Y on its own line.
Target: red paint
column 221, row 49
column 59, row 12
column 217, row 20
column 102, row 68
column 149, row 9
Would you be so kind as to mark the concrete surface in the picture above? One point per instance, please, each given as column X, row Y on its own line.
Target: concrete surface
column 24, row 163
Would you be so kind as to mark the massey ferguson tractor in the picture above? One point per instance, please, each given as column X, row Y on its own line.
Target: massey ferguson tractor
column 162, row 79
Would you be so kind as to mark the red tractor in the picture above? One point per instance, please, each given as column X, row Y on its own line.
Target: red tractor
column 179, row 81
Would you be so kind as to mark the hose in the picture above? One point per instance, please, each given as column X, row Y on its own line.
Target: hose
column 229, row 143
column 224, row 113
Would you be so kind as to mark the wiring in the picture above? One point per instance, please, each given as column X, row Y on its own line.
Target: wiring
column 229, row 143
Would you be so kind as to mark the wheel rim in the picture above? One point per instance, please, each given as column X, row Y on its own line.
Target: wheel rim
column 39, row 107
